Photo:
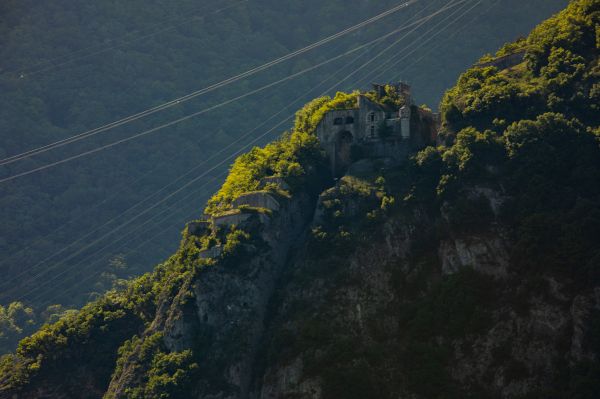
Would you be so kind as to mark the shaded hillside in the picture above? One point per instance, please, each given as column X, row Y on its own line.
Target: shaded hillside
column 67, row 66
column 471, row 270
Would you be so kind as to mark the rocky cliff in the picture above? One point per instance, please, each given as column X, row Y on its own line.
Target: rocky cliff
column 470, row 270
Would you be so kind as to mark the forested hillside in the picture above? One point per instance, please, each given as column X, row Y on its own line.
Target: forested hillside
column 73, row 231
column 471, row 270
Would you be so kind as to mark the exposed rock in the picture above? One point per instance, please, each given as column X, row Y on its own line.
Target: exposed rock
column 258, row 199
column 198, row 227
column 232, row 218
column 213, row 252
column 486, row 254
column 230, row 306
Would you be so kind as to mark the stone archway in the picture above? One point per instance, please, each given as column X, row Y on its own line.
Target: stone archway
column 343, row 153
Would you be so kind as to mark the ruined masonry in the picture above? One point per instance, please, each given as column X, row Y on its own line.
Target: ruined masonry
column 372, row 130
column 367, row 131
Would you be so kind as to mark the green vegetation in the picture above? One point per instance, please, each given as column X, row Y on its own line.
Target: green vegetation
column 526, row 137
column 348, row 213
column 529, row 134
column 18, row 320
column 296, row 157
column 312, row 113
column 68, row 66
column 560, row 75
column 93, row 335
column 166, row 374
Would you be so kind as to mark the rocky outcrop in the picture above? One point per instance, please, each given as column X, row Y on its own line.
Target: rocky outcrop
column 486, row 254
column 258, row 199
column 224, row 320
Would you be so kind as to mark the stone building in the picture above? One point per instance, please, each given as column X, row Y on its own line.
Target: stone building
column 370, row 130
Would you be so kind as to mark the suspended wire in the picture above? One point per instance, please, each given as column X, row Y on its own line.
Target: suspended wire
column 360, row 47
column 272, row 117
column 31, row 71
column 124, row 187
column 113, row 196
column 196, row 93
column 416, row 45
column 220, row 105
column 136, row 205
column 421, row 22
column 273, row 128
column 128, row 222
column 461, row 28
column 218, row 153
column 404, row 56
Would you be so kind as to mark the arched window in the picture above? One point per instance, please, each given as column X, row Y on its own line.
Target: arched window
column 349, row 120
column 371, row 117
column 338, row 121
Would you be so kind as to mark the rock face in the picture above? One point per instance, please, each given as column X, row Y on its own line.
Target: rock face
column 232, row 305
column 257, row 199
column 347, row 328
column 229, row 308
column 398, row 310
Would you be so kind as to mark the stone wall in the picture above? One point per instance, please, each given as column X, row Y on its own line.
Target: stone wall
column 230, row 219
column 257, row 199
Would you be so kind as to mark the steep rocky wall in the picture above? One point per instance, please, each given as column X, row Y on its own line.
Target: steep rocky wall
column 354, row 328
column 223, row 321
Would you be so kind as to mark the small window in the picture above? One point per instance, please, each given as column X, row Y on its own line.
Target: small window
column 338, row 121
column 372, row 131
column 372, row 117
column 349, row 120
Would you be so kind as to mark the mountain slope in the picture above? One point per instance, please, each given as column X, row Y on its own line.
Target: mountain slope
column 69, row 66
column 472, row 270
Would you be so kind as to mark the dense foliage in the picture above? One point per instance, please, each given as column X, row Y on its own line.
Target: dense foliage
column 531, row 131
column 296, row 157
column 525, row 139
column 529, row 134
column 67, row 66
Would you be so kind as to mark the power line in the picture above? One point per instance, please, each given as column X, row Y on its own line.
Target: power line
column 404, row 56
column 165, row 187
column 187, row 196
column 273, row 116
column 63, row 272
column 416, row 45
column 447, row 37
column 451, row 3
column 200, row 92
column 220, row 105
column 385, row 36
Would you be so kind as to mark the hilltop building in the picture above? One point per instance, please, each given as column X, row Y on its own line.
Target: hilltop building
column 372, row 129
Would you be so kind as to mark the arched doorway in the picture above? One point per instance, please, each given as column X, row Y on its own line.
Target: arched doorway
column 343, row 153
